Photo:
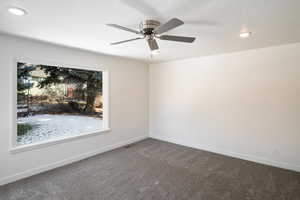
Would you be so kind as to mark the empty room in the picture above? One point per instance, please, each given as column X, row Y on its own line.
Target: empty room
column 150, row 100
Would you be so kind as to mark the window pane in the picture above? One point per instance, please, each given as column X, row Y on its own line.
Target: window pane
column 55, row 102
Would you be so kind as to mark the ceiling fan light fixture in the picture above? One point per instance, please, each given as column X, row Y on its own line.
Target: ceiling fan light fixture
column 17, row 11
column 245, row 34
column 155, row 52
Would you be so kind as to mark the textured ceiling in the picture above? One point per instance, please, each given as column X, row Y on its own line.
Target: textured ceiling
column 214, row 23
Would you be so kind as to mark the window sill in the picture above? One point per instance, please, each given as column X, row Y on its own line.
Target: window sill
column 38, row 145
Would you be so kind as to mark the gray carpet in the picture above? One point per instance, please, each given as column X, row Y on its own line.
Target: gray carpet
column 153, row 169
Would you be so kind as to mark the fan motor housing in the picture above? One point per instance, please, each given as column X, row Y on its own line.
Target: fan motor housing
column 148, row 26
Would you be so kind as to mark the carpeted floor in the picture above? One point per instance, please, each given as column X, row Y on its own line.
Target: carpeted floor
column 153, row 169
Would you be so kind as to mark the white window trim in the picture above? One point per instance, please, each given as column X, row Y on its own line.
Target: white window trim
column 14, row 148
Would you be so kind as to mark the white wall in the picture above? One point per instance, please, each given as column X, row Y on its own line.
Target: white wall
column 128, row 102
column 244, row 104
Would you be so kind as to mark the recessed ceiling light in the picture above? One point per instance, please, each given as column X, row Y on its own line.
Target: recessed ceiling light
column 17, row 11
column 245, row 34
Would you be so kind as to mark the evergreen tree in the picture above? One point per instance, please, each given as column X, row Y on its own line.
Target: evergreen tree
column 23, row 81
column 23, row 75
column 92, row 79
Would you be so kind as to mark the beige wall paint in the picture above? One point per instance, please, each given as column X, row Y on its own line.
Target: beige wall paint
column 128, row 103
column 244, row 104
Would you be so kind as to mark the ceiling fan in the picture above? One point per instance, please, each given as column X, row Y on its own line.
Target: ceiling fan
column 152, row 29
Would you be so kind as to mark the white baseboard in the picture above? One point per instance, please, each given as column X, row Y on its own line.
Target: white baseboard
column 67, row 161
column 233, row 154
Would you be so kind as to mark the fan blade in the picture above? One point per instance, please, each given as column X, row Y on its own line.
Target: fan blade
column 152, row 44
column 177, row 38
column 114, row 43
column 123, row 28
column 173, row 23
column 202, row 23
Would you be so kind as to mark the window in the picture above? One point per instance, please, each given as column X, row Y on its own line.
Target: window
column 57, row 102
